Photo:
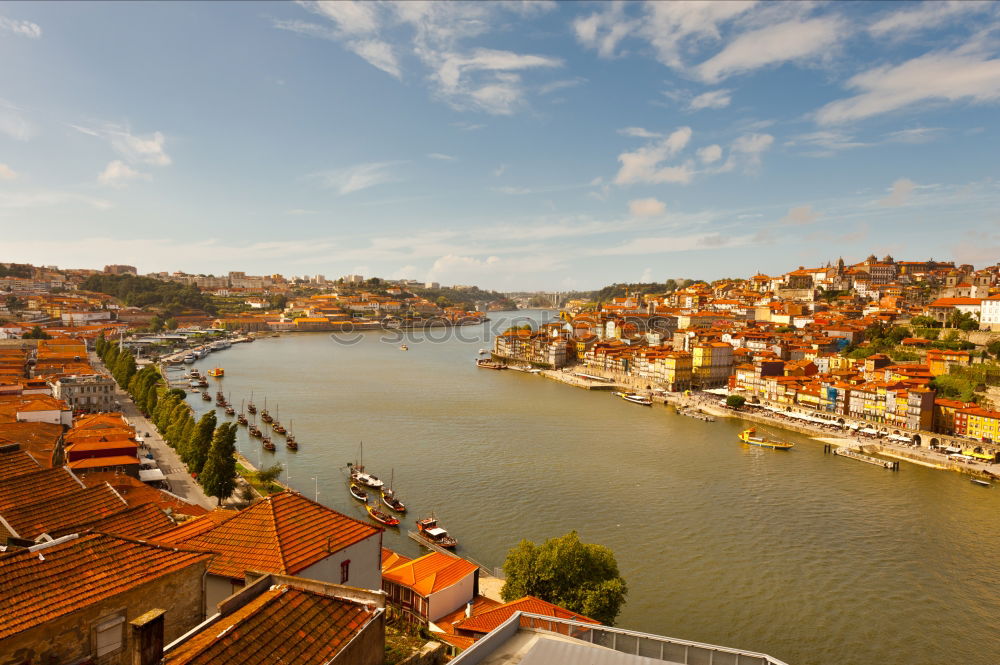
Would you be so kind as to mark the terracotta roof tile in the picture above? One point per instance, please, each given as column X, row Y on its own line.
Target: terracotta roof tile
column 15, row 462
column 284, row 533
column 283, row 625
column 487, row 621
column 430, row 573
column 392, row 559
column 142, row 522
column 32, row 487
column 84, row 505
column 78, row 573
column 135, row 492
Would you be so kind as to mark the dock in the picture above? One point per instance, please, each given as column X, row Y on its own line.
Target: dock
column 861, row 457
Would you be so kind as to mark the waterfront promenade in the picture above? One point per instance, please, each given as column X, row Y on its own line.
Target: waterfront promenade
column 180, row 481
column 832, row 433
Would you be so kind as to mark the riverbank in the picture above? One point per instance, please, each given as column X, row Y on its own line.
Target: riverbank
column 833, row 433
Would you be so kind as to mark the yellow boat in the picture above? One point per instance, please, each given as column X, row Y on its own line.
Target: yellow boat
column 749, row 436
column 217, row 372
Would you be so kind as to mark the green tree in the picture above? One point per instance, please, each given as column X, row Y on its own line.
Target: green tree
column 100, row 344
column 218, row 476
column 170, row 324
column 581, row 577
column 266, row 477
column 994, row 348
column 924, row 322
column 201, row 441
column 36, row 333
column 178, row 417
column 155, row 324
column 736, row 401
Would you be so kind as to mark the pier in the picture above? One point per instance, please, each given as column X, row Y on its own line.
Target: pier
column 484, row 570
column 861, row 457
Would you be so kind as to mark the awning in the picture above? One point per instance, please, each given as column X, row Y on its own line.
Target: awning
column 854, row 426
column 953, row 450
column 436, row 532
column 151, row 475
column 869, row 430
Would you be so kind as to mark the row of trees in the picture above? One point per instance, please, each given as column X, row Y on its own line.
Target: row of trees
column 207, row 448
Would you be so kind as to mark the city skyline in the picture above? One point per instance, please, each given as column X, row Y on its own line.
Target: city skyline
column 515, row 146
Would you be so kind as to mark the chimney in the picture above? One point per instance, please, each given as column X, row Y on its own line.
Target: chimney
column 147, row 638
column 468, row 610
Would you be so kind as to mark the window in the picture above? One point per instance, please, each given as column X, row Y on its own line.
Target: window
column 345, row 570
column 109, row 635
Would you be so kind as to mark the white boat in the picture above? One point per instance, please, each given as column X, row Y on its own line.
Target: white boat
column 359, row 475
column 635, row 398
column 189, row 358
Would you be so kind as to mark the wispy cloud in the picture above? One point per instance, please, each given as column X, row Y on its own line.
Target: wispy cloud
column 14, row 124
column 899, row 193
column 800, row 216
column 118, row 174
column 7, row 173
column 22, row 28
column 47, row 198
column 135, row 148
column 713, row 99
column 793, row 40
column 646, row 207
column 928, row 15
column 940, row 75
column 441, row 156
column 646, row 165
column 602, row 31
column 358, row 177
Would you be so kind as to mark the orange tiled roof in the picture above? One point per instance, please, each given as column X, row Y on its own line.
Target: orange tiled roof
column 285, row 533
column 430, row 573
column 283, row 625
column 392, row 559
column 487, row 621
column 143, row 522
column 34, row 519
column 80, row 572
column 101, row 462
column 36, row 486
column 135, row 492
column 16, row 462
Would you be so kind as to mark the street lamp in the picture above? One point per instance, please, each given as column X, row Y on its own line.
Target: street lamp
column 315, row 489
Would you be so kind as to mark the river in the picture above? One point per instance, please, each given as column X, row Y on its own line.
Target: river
column 814, row 559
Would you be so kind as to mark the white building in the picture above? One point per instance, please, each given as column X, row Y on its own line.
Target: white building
column 989, row 316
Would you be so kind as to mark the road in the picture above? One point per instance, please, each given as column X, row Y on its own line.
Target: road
column 181, row 482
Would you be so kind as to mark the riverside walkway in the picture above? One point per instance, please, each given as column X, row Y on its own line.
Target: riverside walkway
column 181, row 482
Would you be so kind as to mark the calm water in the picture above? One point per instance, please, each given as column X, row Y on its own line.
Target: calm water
column 813, row 559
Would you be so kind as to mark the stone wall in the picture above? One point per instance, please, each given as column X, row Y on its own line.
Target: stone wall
column 432, row 653
column 72, row 637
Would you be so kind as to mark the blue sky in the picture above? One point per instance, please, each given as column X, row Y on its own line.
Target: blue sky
column 513, row 145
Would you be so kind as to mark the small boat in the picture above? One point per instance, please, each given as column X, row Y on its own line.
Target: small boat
column 635, row 398
column 220, row 396
column 749, row 436
column 291, row 444
column 379, row 516
column 195, row 374
column 358, row 474
column 264, row 415
column 251, row 407
column 205, row 396
column 389, row 497
column 189, row 359
column 428, row 529
column 485, row 363
column 980, row 482
column 403, row 347
column 268, row 446
column 358, row 492
column 276, row 425
column 255, row 431
column 217, row 372
column 202, row 383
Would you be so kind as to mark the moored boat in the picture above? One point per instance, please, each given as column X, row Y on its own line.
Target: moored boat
column 403, row 347
column 980, row 482
column 217, row 372
column 379, row 516
column 358, row 492
column 230, row 411
column 251, row 407
column 485, row 363
column 255, row 431
column 358, row 474
column 205, row 396
column 189, row 359
column 428, row 529
column 749, row 436
column 389, row 497
column 268, row 446
column 635, row 398
column 264, row 415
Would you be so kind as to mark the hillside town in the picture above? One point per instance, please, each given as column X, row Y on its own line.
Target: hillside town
column 907, row 348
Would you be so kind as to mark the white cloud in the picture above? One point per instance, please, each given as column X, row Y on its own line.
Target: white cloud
column 639, row 132
column 949, row 76
column 148, row 149
column 441, row 156
column 13, row 123
column 646, row 277
column 500, row 92
column 752, row 146
column 117, row 174
column 645, row 164
column 499, row 171
column 774, row 44
column 710, row 154
column 926, row 15
column 915, row 135
column 352, row 18
column 549, row 88
column 358, row 177
column 47, row 198
column 899, row 193
column 670, row 243
column 646, row 207
column 713, row 99
column 7, row 173
column 378, row 54
column 674, row 27
column 23, row 28
column 602, row 31
column 826, row 143
column 800, row 216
